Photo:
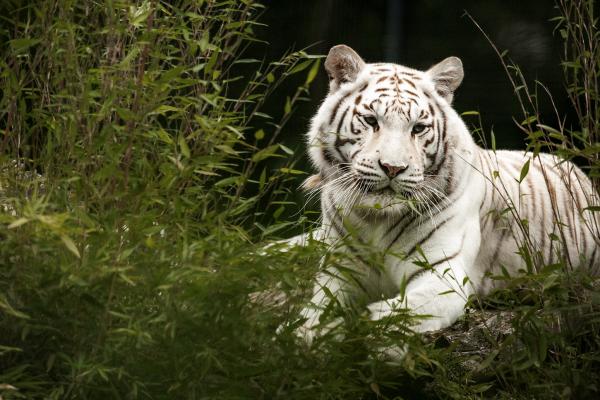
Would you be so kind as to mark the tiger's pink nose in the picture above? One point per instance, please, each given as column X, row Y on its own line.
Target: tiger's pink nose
column 392, row 170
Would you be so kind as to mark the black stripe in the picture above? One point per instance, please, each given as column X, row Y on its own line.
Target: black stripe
column 531, row 207
column 342, row 232
column 340, row 142
column 500, row 243
column 332, row 220
column 365, row 173
column 411, row 100
column 392, row 227
column 592, row 259
column 431, row 111
column 450, row 176
column 402, row 229
column 339, row 127
column 441, row 161
column 410, row 83
column 543, row 227
column 440, row 136
column 427, row 237
column 409, row 109
column 556, row 208
column 337, row 106
column 582, row 224
column 352, row 129
column 429, row 141
column 431, row 266
column 362, row 123
column 410, row 74
column 329, row 157
column 444, row 124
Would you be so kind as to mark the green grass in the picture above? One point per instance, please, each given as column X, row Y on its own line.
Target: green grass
column 141, row 179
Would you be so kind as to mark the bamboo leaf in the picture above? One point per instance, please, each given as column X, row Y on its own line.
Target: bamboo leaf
column 300, row 67
column 524, row 171
column 288, row 106
column 286, row 149
column 21, row 45
column 292, row 171
column 529, row 120
column 312, row 72
column 9, row 309
column 18, row 222
column 183, row 146
column 265, row 153
column 70, row 245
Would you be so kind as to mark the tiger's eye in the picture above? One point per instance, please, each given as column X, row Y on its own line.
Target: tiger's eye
column 418, row 128
column 371, row 120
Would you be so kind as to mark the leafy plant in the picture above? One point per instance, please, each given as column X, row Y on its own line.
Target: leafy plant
column 138, row 165
column 140, row 168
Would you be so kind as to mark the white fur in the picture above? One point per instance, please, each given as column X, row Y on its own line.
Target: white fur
column 470, row 228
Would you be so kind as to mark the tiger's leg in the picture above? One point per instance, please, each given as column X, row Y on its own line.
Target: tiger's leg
column 330, row 286
column 438, row 293
column 438, row 299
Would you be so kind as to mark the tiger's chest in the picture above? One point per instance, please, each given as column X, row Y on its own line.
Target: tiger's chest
column 402, row 245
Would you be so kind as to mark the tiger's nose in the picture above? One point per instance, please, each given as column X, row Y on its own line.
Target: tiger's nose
column 392, row 170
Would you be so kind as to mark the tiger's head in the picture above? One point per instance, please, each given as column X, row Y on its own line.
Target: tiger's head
column 383, row 131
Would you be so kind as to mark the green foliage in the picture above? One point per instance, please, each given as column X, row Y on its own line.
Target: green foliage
column 132, row 133
column 140, row 169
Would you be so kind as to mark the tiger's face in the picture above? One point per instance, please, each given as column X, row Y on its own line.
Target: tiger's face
column 381, row 132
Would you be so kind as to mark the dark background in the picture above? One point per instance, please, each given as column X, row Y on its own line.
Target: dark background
column 421, row 33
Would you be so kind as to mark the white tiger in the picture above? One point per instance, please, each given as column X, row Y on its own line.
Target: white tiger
column 386, row 136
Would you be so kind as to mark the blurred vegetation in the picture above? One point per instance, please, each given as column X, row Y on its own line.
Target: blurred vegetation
column 139, row 172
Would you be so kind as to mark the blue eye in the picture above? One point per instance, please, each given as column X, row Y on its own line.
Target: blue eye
column 418, row 128
column 371, row 120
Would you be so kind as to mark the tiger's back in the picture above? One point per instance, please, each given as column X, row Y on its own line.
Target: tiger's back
column 541, row 206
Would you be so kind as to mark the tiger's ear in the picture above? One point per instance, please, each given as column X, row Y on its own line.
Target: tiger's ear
column 342, row 65
column 447, row 76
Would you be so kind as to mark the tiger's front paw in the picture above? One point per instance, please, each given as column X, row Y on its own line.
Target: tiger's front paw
column 304, row 332
column 416, row 322
column 380, row 310
column 308, row 333
column 390, row 353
